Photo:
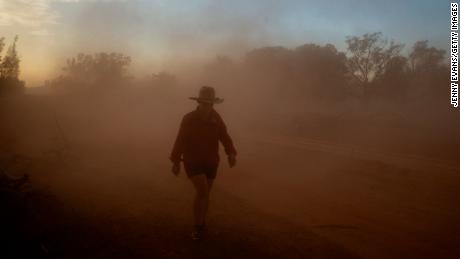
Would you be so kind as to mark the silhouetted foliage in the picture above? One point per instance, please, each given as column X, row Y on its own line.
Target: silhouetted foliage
column 425, row 59
column 307, row 73
column 321, row 69
column 2, row 45
column 429, row 74
column 100, row 70
column 393, row 84
column 421, row 76
column 9, row 68
column 372, row 69
column 369, row 56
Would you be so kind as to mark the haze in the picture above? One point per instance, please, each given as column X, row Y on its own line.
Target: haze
column 339, row 110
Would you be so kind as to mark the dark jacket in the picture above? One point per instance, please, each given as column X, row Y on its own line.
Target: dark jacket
column 198, row 140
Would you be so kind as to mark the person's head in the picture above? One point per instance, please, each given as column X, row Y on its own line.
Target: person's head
column 207, row 98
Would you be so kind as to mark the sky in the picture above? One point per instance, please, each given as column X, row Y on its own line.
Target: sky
column 162, row 34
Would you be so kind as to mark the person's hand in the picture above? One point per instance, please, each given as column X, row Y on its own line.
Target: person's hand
column 176, row 168
column 231, row 160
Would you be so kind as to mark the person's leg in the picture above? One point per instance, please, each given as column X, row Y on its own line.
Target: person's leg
column 200, row 204
column 210, row 182
column 211, row 172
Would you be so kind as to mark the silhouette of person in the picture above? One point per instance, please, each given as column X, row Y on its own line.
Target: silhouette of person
column 197, row 145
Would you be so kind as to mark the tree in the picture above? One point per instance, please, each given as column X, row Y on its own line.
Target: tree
column 93, row 70
column 320, row 69
column 2, row 44
column 307, row 73
column 429, row 73
column 369, row 56
column 9, row 67
column 392, row 85
column 423, row 58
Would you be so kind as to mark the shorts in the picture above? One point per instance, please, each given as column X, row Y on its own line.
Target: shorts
column 209, row 170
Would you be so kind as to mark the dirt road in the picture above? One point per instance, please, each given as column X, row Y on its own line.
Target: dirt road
column 287, row 198
column 375, row 203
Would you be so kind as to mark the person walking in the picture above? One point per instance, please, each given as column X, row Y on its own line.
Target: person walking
column 197, row 146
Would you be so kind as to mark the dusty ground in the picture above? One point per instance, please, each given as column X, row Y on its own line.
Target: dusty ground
column 288, row 197
column 313, row 203
column 116, row 204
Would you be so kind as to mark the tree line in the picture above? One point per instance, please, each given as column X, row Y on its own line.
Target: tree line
column 371, row 69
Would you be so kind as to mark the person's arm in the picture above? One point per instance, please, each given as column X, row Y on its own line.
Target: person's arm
column 179, row 144
column 227, row 142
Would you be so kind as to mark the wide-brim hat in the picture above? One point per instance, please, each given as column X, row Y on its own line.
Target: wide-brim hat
column 207, row 95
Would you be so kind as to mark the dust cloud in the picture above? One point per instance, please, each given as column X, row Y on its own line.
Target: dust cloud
column 327, row 165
